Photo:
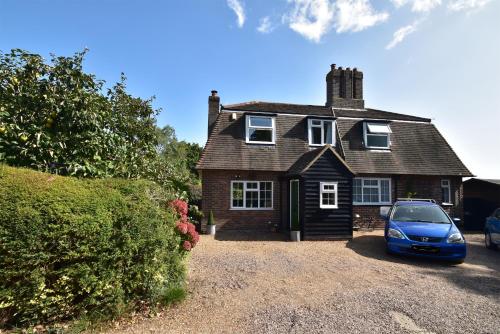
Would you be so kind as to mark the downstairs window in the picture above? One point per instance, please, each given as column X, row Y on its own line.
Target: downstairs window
column 251, row 195
column 371, row 191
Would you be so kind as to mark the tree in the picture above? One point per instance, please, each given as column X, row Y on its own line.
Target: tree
column 55, row 117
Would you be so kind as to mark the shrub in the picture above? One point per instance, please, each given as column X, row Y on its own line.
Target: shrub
column 211, row 220
column 72, row 248
column 187, row 230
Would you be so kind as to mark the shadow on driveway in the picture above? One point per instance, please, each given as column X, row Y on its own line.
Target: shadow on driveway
column 479, row 274
column 249, row 235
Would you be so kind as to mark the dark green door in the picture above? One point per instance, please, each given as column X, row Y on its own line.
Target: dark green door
column 294, row 205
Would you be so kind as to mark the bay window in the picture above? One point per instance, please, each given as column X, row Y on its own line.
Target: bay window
column 321, row 132
column 260, row 129
column 251, row 195
column 374, row 191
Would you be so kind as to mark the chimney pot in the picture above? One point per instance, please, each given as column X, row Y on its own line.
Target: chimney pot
column 347, row 68
column 214, row 93
column 340, row 68
column 332, row 66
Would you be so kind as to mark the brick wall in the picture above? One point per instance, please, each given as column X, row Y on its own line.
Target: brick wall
column 428, row 187
column 216, row 192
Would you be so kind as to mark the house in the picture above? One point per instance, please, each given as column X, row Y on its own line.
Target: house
column 321, row 166
column 481, row 198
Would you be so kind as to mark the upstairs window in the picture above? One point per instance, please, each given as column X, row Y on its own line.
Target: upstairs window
column 377, row 135
column 260, row 130
column 446, row 191
column 321, row 132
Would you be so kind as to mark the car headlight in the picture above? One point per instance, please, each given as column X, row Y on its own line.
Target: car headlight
column 455, row 238
column 393, row 233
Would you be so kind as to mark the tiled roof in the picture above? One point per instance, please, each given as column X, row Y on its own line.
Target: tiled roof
column 304, row 109
column 417, row 146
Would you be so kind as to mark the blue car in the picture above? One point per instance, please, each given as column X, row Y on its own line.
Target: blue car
column 492, row 230
column 422, row 229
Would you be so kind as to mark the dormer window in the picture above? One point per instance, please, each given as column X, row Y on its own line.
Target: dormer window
column 377, row 135
column 260, row 130
column 321, row 132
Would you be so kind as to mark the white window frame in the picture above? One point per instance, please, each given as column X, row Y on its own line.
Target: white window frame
column 322, row 191
column 379, row 187
column 310, row 126
column 272, row 128
column 366, row 134
column 252, row 189
column 448, row 186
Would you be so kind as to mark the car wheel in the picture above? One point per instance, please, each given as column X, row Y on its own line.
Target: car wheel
column 487, row 241
column 458, row 261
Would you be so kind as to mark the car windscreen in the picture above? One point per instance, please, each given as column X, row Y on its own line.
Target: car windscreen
column 420, row 213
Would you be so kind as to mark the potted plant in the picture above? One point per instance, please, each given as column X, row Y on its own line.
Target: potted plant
column 211, row 224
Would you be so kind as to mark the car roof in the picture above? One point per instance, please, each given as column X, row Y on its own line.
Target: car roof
column 414, row 203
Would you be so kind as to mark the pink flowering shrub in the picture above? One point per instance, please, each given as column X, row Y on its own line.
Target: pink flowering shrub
column 186, row 230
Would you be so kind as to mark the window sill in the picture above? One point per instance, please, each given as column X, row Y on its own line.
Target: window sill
column 261, row 142
column 372, row 204
column 251, row 209
column 328, row 207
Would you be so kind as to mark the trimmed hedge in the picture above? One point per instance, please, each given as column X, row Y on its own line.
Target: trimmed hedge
column 71, row 248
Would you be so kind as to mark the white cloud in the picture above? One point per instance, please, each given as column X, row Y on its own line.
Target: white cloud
column 238, row 9
column 356, row 15
column 419, row 6
column 310, row 18
column 265, row 25
column 314, row 18
column 400, row 34
column 423, row 6
column 466, row 5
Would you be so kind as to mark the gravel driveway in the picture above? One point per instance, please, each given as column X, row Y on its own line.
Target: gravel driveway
column 240, row 284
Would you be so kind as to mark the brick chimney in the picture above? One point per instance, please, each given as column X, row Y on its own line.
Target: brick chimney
column 213, row 110
column 344, row 88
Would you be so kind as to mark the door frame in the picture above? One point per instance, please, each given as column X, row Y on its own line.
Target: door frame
column 298, row 202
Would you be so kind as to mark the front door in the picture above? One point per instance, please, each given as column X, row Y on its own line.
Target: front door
column 294, row 205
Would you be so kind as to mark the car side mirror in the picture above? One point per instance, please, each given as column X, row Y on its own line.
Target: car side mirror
column 384, row 212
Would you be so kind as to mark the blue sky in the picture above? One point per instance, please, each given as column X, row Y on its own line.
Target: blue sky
column 432, row 58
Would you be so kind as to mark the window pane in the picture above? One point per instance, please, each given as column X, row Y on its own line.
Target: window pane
column 384, row 191
column 377, row 141
column 315, row 122
column 252, row 199
column 327, row 132
column 266, row 194
column 262, row 135
column 370, row 195
column 252, row 185
column 378, row 128
column 316, row 135
column 446, row 194
column 356, row 190
column 371, row 183
column 328, row 198
column 238, row 194
column 261, row 121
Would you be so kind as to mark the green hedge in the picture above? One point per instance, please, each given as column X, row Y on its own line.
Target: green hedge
column 71, row 248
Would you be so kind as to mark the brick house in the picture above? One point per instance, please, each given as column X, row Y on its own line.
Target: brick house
column 321, row 167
